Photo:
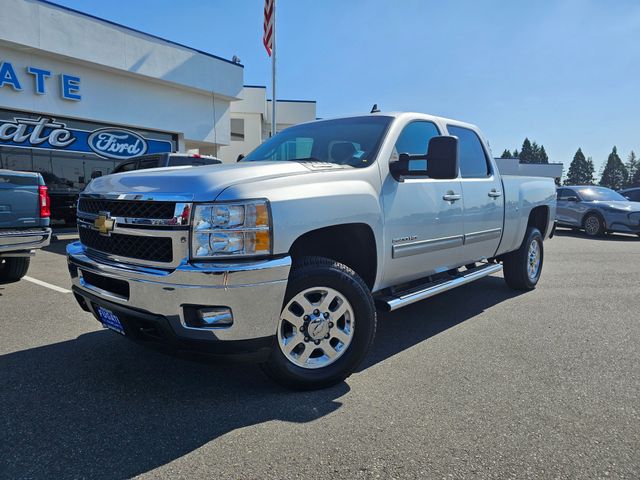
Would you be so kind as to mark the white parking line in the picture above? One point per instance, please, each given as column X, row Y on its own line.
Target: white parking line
column 48, row 285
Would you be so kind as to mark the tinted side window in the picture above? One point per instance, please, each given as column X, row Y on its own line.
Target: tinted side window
column 565, row 193
column 473, row 161
column 125, row 167
column 414, row 139
column 149, row 163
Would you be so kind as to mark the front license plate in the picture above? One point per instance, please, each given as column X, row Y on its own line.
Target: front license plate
column 110, row 320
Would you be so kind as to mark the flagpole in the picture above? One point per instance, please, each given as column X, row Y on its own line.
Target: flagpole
column 273, row 72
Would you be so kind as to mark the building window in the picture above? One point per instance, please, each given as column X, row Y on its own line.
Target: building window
column 237, row 129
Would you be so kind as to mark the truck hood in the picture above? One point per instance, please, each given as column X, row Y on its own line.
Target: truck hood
column 204, row 183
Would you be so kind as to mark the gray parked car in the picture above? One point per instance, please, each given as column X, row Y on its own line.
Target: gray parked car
column 597, row 210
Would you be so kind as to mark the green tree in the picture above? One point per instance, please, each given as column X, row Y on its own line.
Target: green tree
column 580, row 170
column 506, row 154
column 542, row 155
column 526, row 154
column 635, row 180
column 535, row 152
column 633, row 165
column 592, row 170
column 516, row 154
column 615, row 173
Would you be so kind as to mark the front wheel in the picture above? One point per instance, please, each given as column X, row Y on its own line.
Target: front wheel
column 523, row 267
column 593, row 225
column 326, row 327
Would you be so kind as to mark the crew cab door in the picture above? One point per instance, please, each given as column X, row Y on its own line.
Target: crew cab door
column 423, row 216
column 482, row 196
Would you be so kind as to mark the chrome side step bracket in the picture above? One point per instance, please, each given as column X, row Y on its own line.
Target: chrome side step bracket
column 402, row 299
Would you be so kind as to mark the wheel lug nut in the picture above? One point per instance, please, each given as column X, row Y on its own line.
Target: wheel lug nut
column 330, row 324
column 306, row 339
column 302, row 329
column 326, row 314
column 306, row 317
column 317, row 342
column 316, row 311
column 326, row 336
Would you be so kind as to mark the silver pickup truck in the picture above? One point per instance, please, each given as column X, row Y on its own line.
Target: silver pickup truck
column 287, row 254
column 25, row 209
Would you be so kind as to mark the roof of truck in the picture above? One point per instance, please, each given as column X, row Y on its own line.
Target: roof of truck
column 18, row 173
column 398, row 114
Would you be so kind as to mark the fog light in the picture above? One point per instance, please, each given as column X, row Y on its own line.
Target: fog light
column 213, row 317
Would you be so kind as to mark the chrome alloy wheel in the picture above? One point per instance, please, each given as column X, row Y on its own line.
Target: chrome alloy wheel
column 533, row 260
column 316, row 327
column 592, row 225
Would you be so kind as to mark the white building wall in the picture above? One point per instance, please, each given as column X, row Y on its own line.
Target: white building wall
column 34, row 24
column 127, row 78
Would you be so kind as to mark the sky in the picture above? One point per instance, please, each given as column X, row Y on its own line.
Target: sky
column 565, row 73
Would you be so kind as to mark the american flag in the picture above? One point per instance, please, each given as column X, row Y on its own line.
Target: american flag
column 269, row 5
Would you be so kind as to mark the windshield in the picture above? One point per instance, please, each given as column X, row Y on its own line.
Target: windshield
column 346, row 141
column 600, row 193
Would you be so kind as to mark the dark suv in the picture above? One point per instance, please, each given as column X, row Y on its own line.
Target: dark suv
column 158, row 160
column 632, row 194
column 64, row 197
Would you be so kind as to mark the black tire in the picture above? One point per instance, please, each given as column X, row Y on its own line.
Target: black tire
column 589, row 220
column 13, row 269
column 515, row 263
column 311, row 272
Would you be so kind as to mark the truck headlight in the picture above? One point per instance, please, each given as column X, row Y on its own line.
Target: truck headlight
column 239, row 229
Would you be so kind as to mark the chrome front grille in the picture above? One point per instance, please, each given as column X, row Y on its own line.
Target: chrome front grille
column 155, row 249
column 132, row 230
column 128, row 208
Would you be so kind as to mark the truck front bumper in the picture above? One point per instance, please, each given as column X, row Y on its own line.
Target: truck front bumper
column 24, row 240
column 157, row 306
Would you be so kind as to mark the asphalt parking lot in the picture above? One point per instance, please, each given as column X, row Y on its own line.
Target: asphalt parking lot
column 479, row 382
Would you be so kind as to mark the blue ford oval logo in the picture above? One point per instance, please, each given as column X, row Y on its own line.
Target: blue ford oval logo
column 117, row 143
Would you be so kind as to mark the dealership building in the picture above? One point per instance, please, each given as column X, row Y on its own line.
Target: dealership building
column 78, row 94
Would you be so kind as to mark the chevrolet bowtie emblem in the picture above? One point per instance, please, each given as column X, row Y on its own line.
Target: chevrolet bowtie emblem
column 104, row 224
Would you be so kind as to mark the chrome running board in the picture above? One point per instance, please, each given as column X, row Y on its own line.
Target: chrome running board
column 402, row 299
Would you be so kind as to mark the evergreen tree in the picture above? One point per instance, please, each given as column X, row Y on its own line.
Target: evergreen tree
column 506, row 154
column 526, row 154
column 635, row 180
column 633, row 165
column 615, row 173
column 516, row 154
column 580, row 170
column 592, row 171
column 535, row 153
column 542, row 155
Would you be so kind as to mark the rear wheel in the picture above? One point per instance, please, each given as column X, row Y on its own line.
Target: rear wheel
column 522, row 268
column 326, row 326
column 593, row 225
column 13, row 269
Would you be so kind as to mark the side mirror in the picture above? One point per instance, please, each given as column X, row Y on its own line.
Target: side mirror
column 573, row 198
column 240, row 157
column 443, row 157
column 441, row 161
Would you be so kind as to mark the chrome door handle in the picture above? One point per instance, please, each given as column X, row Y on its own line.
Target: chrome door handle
column 451, row 197
column 495, row 193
